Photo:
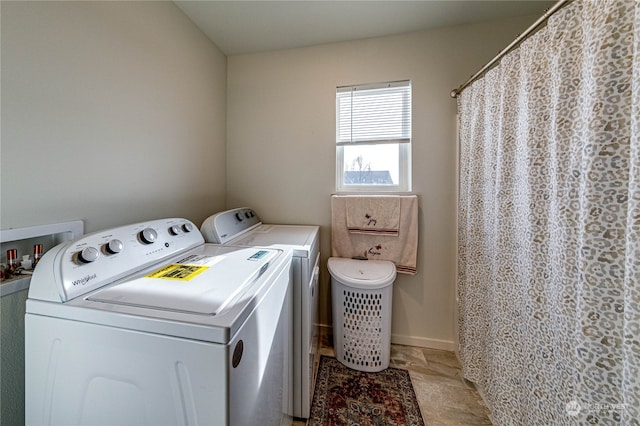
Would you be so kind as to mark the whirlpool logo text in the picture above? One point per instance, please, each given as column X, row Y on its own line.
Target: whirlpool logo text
column 84, row 280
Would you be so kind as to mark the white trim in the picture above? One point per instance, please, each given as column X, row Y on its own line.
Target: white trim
column 76, row 228
column 371, row 86
column 339, row 168
column 419, row 342
column 375, row 142
column 422, row 342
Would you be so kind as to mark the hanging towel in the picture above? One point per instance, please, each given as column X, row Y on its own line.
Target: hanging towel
column 375, row 215
column 400, row 249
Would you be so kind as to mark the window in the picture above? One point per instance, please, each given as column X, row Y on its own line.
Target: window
column 373, row 137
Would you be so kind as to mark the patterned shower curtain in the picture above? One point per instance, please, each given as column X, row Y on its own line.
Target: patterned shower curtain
column 549, row 223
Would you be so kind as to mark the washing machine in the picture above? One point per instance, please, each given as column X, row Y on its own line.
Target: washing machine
column 243, row 227
column 146, row 324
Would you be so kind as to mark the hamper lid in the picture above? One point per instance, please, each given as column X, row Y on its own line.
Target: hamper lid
column 369, row 274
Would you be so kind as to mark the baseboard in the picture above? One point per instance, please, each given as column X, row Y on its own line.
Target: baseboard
column 399, row 339
column 422, row 342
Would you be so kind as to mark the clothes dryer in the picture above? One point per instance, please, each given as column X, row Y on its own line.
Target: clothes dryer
column 243, row 227
column 146, row 324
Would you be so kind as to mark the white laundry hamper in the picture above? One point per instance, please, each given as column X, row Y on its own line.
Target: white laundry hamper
column 361, row 292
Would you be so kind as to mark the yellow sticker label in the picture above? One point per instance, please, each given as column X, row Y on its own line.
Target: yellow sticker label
column 177, row 271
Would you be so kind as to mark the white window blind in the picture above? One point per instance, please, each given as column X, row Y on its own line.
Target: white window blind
column 373, row 113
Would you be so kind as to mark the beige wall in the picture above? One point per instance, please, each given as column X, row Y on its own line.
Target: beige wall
column 112, row 112
column 281, row 147
column 115, row 112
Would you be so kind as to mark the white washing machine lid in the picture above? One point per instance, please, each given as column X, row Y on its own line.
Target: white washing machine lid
column 300, row 238
column 201, row 283
column 364, row 274
column 146, row 304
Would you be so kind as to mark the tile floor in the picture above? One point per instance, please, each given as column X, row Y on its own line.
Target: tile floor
column 445, row 398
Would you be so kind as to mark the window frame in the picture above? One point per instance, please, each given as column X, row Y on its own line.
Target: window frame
column 404, row 148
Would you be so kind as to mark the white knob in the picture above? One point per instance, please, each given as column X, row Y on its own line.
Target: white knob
column 114, row 246
column 187, row 227
column 148, row 235
column 88, row 255
column 175, row 230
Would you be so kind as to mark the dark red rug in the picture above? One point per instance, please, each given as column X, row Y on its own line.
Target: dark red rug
column 348, row 397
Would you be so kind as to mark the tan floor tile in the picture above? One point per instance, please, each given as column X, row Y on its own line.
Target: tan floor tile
column 407, row 357
column 447, row 400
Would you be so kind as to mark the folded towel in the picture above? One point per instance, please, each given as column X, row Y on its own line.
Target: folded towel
column 401, row 249
column 376, row 215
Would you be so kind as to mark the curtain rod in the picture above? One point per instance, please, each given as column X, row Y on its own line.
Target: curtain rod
column 518, row 40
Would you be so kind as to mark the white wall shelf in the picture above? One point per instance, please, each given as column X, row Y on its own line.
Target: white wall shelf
column 23, row 239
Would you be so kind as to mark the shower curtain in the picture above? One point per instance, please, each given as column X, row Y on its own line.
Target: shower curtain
column 549, row 223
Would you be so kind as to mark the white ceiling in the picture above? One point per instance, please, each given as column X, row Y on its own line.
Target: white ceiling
column 239, row 27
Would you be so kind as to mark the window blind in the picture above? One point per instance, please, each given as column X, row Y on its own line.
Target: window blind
column 373, row 113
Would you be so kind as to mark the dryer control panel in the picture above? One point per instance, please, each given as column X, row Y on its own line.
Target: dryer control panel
column 77, row 267
column 227, row 225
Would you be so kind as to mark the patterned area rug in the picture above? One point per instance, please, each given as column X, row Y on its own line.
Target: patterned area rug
column 348, row 397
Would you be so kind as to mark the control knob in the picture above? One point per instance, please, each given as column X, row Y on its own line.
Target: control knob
column 114, row 246
column 187, row 227
column 88, row 255
column 239, row 217
column 175, row 230
column 148, row 235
